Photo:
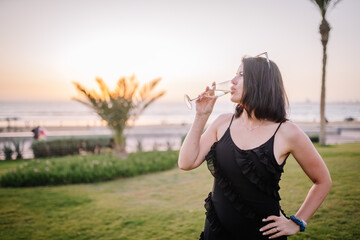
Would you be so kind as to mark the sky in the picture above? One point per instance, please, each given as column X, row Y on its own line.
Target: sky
column 46, row 45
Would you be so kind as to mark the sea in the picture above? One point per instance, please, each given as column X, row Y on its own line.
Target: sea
column 167, row 120
column 72, row 113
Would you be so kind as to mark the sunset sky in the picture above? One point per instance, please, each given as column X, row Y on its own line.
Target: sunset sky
column 45, row 45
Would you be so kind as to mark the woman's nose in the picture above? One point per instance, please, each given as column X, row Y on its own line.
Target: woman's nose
column 234, row 81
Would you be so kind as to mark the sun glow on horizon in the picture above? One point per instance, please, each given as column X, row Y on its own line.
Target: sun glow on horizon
column 188, row 44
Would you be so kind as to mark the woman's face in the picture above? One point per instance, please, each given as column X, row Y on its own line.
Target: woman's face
column 237, row 87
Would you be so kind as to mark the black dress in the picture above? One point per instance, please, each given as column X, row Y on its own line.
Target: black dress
column 245, row 190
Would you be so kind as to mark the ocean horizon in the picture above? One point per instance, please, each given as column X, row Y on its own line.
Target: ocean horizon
column 72, row 113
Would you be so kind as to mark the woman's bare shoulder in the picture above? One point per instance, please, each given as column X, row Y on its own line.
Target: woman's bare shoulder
column 223, row 118
column 291, row 131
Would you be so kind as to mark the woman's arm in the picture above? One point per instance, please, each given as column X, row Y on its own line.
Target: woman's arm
column 196, row 144
column 314, row 167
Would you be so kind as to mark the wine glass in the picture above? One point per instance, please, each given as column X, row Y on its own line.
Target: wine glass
column 218, row 90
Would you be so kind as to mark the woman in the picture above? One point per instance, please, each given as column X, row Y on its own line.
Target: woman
column 246, row 153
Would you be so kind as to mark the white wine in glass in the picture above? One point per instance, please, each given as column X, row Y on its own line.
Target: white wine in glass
column 217, row 90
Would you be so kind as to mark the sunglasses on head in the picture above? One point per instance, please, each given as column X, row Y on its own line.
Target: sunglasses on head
column 259, row 55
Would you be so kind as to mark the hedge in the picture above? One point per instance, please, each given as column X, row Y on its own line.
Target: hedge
column 68, row 146
column 86, row 169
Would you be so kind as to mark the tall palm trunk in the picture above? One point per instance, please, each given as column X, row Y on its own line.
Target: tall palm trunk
column 324, row 31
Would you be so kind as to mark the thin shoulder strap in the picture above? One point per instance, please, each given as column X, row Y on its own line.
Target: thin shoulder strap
column 231, row 120
column 278, row 128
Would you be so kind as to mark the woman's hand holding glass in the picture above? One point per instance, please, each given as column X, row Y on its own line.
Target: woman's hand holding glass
column 216, row 90
column 205, row 101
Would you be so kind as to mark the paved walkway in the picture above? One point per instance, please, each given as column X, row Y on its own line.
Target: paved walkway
column 345, row 136
column 162, row 136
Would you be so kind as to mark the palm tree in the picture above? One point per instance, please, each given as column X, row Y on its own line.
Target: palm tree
column 120, row 106
column 324, row 30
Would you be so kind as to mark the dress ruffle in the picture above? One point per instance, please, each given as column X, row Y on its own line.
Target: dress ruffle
column 265, row 156
column 248, row 168
column 202, row 236
column 226, row 186
column 211, row 216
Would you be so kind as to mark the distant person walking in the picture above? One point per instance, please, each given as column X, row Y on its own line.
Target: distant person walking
column 39, row 133
column 246, row 153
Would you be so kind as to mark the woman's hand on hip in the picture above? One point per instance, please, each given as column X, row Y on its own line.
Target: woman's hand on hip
column 206, row 101
column 280, row 226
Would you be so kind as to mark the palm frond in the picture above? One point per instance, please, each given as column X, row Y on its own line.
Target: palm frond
column 103, row 89
column 91, row 96
column 82, row 101
column 131, row 88
column 336, row 2
column 142, row 105
column 120, row 87
column 324, row 5
column 145, row 90
column 153, row 98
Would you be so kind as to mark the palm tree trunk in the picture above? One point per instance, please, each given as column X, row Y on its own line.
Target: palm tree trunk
column 322, row 136
column 120, row 143
column 324, row 30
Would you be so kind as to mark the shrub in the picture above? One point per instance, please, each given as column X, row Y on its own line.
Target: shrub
column 68, row 146
column 86, row 169
column 139, row 145
column 8, row 151
column 19, row 147
column 314, row 138
column 40, row 149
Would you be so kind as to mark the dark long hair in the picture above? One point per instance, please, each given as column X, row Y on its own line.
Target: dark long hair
column 263, row 91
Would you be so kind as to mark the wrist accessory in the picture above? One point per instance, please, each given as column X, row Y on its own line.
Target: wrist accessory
column 299, row 222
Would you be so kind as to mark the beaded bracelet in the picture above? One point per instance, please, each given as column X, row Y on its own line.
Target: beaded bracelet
column 299, row 222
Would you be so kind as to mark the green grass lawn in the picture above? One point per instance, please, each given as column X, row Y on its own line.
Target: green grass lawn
column 169, row 205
